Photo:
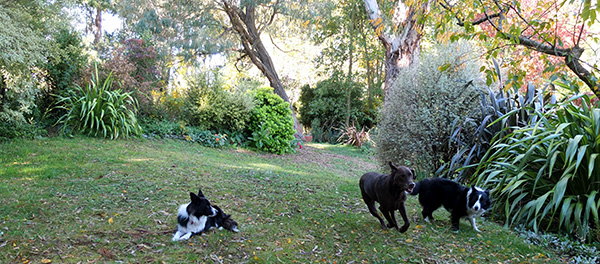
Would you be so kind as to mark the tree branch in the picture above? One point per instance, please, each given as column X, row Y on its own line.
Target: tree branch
column 376, row 21
column 273, row 41
column 461, row 23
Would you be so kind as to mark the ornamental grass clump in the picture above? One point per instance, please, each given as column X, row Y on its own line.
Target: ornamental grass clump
column 546, row 174
column 97, row 110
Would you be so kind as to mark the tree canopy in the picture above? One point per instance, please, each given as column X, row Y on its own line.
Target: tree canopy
column 546, row 34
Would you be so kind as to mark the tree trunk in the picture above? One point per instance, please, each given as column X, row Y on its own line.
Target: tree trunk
column 369, row 72
column 2, row 91
column 349, row 86
column 245, row 25
column 403, row 50
column 98, row 26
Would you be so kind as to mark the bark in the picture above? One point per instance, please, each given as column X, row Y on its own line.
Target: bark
column 244, row 24
column 349, row 84
column 2, row 91
column 98, row 26
column 403, row 50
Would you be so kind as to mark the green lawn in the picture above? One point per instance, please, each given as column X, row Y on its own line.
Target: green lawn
column 91, row 200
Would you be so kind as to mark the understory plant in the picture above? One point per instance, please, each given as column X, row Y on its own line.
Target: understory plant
column 351, row 135
column 546, row 174
column 471, row 137
column 210, row 107
column 332, row 102
column 424, row 102
column 271, row 123
column 97, row 110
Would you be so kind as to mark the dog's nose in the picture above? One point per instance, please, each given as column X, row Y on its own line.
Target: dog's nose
column 411, row 185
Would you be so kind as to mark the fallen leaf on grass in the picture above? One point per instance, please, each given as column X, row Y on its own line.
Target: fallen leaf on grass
column 110, row 220
column 46, row 261
column 106, row 253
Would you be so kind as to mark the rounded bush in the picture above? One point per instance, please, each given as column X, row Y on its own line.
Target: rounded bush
column 210, row 107
column 271, row 123
column 417, row 117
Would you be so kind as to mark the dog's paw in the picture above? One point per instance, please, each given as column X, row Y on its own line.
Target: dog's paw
column 403, row 229
column 176, row 236
column 183, row 237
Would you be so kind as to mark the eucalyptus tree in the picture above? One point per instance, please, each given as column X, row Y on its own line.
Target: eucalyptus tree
column 555, row 33
column 199, row 28
column 399, row 27
column 94, row 10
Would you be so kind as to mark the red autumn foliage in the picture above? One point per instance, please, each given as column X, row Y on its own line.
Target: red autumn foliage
column 543, row 21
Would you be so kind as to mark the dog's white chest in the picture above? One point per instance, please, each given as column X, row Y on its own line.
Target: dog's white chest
column 195, row 224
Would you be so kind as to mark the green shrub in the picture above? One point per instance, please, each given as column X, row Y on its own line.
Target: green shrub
column 421, row 107
column 324, row 108
column 210, row 107
column 546, row 174
column 169, row 106
column 163, row 128
column 10, row 130
column 63, row 69
column 17, row 104
column 178, row 130
column 96, row 110
column 207, row 138
column 271, row 123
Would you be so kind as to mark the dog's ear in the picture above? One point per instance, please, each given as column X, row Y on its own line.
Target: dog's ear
column 195, row 199
column 413, row 173
column 200, row 194
column 393, row 167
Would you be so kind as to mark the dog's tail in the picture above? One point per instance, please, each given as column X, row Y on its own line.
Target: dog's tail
column 416, row 189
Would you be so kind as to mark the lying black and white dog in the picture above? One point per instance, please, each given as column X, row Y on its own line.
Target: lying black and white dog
column 459, row 200
column 200, row 216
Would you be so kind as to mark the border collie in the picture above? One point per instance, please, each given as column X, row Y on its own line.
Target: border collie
column 199, row 216
column 460, row 201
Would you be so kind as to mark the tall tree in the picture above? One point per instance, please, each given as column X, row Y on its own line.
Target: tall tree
column 199, row 28
column 95, row 9
column 400, row 34
column 544, row 30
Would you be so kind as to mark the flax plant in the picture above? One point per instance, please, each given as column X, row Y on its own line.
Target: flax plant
column 547, row 174
column 97, row 110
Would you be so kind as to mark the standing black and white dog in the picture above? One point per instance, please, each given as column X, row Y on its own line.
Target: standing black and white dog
column 459, row 200
column 200, row 216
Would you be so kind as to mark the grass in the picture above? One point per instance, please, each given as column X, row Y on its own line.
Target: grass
column 88, row 200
